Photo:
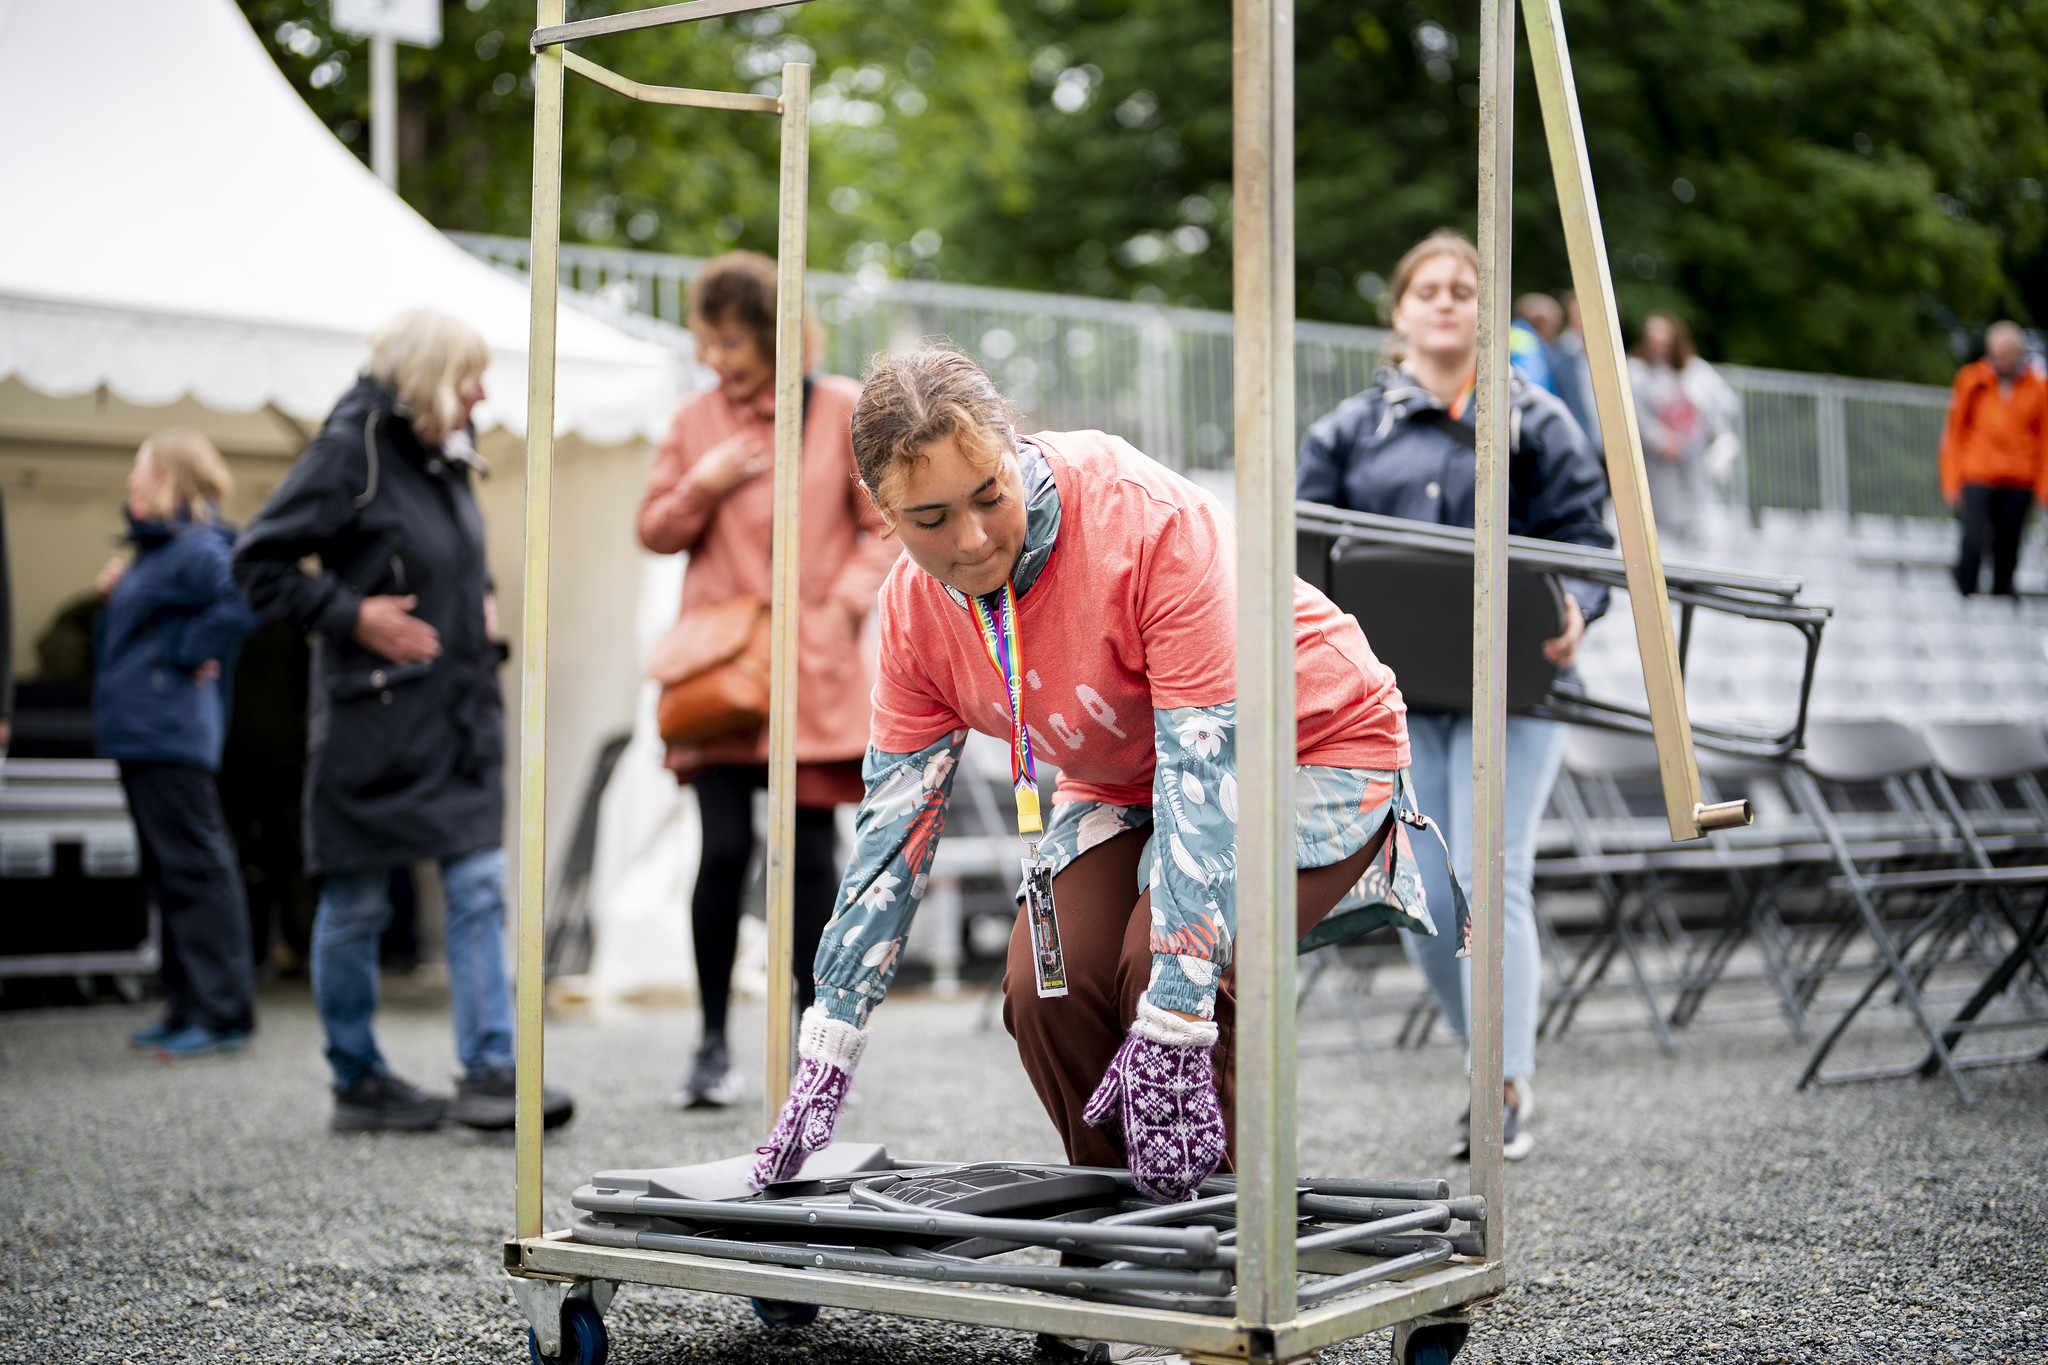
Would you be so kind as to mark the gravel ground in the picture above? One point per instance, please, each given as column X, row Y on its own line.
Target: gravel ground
column 1676, row 1208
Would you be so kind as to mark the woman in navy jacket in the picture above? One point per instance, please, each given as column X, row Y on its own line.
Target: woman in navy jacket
column 1404, row 448
column 167, row 643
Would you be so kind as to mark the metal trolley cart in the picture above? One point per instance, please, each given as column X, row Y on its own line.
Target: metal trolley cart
column 1167, row 1276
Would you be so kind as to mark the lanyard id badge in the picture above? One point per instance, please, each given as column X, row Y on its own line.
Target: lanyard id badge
column 995, row 615
column 1048, row 960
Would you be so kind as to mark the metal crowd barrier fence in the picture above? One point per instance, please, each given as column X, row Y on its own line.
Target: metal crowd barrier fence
column 1811, row 442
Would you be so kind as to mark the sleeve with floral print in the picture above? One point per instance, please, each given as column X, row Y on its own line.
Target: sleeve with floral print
column 895, row 835
column 1194, row 855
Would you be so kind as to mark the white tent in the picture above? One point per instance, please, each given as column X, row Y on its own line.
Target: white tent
column 182, row 243
column 177, row 223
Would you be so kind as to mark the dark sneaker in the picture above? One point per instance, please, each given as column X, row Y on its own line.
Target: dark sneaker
column 1515, row 1140
column 146, row 1039
column 713, row 1084
column 488, row 1100
column 378, row 1100
column 197, row 1040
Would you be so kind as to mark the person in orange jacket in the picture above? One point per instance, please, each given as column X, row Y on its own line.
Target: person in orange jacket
column 1994, row 455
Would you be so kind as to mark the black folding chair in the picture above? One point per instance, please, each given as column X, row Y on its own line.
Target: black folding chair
column 1756, row 863
column 1630, row 861
column 1891, row 757
column 1348, row 971
column 1613, row 858
column 1980, row 757
column 1984, row 757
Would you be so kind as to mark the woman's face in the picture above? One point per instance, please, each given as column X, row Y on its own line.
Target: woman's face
column 961, row 521
column 1439, row 312
column 466, row 398
column 1658, row 342
column 145, row 488
column 733, row 353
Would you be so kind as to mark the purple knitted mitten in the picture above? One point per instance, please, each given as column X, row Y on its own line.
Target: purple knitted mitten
column 828, row 1050
column 1163, row 1085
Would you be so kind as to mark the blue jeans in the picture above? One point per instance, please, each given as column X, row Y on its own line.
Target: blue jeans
column 1442, row 772
column 355, row 907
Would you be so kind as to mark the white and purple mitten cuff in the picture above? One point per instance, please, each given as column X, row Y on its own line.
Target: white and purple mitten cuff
column 1162, row 1087
column 827, row 1051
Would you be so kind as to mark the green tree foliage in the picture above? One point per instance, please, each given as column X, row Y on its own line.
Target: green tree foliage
column 891, row 176
column 1848, row 185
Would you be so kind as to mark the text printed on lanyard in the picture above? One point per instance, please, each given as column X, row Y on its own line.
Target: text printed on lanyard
column 996, row 616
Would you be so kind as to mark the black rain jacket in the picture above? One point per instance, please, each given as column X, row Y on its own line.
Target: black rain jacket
column 403, row 762
column 1391, row 450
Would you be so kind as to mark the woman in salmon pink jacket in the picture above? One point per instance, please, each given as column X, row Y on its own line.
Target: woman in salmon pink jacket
column 707, row 497
column 1067, row 579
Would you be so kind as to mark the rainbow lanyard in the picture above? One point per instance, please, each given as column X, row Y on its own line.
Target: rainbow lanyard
column 996, row 616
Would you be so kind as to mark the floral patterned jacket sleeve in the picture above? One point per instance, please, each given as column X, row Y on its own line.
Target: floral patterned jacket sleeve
column 895, row 835
column 1194, row 855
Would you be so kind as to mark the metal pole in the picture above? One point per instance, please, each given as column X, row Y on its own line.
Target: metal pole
column 1262, row 299
column 1586, row 245
column 1490, row 603
column 533, row 616
column 384, row 108
column 789, row 436
column 1831, row 428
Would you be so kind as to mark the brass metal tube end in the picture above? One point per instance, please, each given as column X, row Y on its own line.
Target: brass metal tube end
column 1723, row 815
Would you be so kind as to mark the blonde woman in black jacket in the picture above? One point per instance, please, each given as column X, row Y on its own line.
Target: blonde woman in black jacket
column 406, row 740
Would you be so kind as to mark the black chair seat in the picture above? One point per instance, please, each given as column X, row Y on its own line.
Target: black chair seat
column 1416, row 610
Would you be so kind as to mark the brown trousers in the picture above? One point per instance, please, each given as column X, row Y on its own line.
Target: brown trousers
column 1066, row 1043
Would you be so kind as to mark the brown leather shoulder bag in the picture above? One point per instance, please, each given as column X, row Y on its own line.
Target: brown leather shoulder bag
column 712, row 665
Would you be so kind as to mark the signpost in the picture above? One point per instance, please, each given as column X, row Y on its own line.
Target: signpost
column 386, row 23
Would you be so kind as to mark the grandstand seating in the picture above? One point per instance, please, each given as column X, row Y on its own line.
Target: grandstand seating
column 1902, row 645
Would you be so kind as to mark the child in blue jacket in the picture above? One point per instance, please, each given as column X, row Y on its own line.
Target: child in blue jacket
column 167, row 641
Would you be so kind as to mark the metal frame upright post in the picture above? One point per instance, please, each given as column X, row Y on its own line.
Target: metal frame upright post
column 530, row 989
column 1262, row 298
column 1490, row 606
column 789, row 436
column 552, row 62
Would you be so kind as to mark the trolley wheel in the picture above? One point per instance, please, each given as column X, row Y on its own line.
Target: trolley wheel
column 584, row 1340
column 1431, row 1345
column 778, row 1313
